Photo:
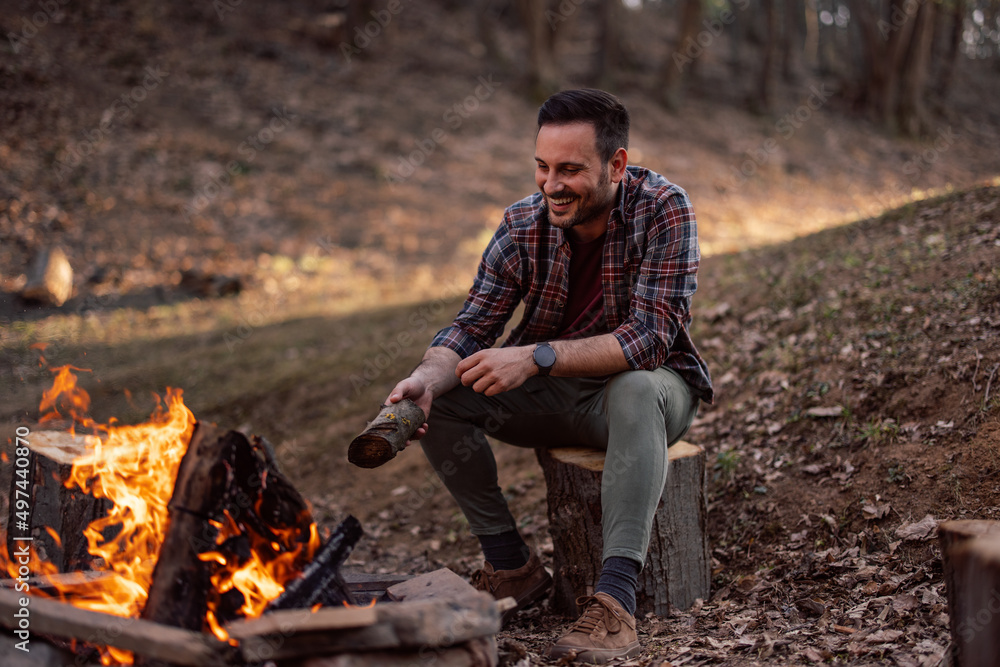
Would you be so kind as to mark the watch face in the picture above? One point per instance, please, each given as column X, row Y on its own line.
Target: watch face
column 545, row 356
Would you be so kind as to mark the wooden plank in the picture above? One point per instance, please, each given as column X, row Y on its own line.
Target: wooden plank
column 144, row 638
column 362, row 581
column 480, row 652
column 440, row 584
column 442, row 622
column 398, row 625
column 303, row 620
column 367, row 587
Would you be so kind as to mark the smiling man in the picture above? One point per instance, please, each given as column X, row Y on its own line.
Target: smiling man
column 604, row 260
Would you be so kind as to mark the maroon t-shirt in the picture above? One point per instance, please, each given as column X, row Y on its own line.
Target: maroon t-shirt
column 584, row 313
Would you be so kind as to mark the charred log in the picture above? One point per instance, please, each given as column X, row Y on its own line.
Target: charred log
column 321, row 582
column 229, row 498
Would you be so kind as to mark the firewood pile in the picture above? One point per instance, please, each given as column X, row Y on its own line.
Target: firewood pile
column 232, row 518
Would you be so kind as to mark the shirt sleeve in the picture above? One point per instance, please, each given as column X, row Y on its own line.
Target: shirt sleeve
column 492, row 299
column 661, row 298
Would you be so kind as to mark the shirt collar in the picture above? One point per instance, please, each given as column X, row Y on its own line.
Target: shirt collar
column 618, row 212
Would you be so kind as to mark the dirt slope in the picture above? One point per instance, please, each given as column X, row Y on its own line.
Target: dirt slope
column 859, row 393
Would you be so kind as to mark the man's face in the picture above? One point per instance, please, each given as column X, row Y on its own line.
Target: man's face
column 579, row 188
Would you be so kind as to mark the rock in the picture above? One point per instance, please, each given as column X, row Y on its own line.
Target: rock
column 50, row 279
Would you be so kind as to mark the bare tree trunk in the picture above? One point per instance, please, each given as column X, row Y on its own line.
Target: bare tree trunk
column 811, row 47
column 893, row 46
column 737, row 36
column 791, row 43
column 609, row 56
column 911, row 113
column 359, row 14
column 682, row 57
column 947, row 69
column 540, row 24
column 900, row 32
column 486, row 21
column 765, row 84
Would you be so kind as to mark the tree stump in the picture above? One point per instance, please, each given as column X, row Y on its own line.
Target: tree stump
column 677, row 570
column 971, row 554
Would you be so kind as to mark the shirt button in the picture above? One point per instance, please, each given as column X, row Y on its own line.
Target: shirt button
column 559, row 304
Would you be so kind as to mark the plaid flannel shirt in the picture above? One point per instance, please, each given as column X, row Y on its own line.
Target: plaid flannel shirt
column 649, row 275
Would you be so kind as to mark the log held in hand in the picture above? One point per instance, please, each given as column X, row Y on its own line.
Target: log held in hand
column 386, row 436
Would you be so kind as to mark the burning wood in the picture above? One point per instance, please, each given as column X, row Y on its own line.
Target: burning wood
column 202, row 531
column 199, row 526
column 238, row 532
column 321, row 582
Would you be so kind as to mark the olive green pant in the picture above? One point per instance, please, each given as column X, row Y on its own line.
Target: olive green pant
column 634, row 415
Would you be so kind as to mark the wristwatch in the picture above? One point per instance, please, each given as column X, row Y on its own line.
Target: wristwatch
column 545, row 358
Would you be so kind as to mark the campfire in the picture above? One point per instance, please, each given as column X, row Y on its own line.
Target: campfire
column 196, row 528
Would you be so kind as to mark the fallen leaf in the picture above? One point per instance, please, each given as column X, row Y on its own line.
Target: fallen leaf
column 816, row 656
column 925, row 529
column 812, row 606
column 883, row 636
column 875, row 511
column 903, row 603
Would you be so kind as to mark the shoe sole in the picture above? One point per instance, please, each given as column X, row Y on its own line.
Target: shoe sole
column 596, row 656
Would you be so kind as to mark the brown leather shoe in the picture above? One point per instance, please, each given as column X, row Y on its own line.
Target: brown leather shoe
column 527, row 584
column 604, row 632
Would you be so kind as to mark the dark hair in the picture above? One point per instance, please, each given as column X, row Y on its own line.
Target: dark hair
column 602, row 110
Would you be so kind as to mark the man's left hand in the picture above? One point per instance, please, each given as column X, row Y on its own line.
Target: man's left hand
column 494, row 371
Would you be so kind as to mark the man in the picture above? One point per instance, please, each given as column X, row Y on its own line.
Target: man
column 604, row 259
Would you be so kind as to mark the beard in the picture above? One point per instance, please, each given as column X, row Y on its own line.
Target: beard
column 597, row 204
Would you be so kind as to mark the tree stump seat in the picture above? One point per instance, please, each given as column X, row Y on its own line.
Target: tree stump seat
column 677, row 570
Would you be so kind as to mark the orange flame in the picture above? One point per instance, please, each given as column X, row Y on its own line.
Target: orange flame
column 135, row 467
column 65, row 394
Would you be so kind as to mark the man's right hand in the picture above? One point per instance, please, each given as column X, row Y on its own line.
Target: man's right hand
column 415, row 390
column 434, row 376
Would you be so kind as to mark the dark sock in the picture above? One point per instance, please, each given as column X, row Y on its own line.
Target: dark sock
column 506, row 551
column 619, row 578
